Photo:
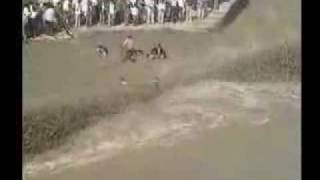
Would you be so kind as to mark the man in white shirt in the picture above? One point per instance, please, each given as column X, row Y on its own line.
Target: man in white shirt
column 33, row 12
column 86, row 9
column 201, row 9
column 77, row 9
column 181, row 9
column 26, row 11
column 150, row 11
column 161, row 11
column 66, row 10
column 135, row 13
column 50, row 20
column 102, row 11
column 66, row 6
column 49, row 15
column 189, row 10
column 111, row 13
column 25, row 18
column 128, row 47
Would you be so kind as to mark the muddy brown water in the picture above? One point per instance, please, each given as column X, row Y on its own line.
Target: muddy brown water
column 64, row 71
column 178, row 136
column 175, row 146
column 250, row 145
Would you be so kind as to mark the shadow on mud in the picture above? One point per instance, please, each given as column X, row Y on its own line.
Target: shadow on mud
column 235, row 10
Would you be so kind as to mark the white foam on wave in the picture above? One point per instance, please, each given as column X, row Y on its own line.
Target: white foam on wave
column 262, row 122
column 163, row 134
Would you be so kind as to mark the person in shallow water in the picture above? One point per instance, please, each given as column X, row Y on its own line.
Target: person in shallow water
column 157, row 52
column 127, row 47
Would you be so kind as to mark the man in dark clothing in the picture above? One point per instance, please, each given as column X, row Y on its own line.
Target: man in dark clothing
column 175, row 12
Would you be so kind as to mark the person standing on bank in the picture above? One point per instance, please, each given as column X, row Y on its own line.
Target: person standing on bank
column 111, row 13
column 77, row 8
column 189, row 10
column 161, row 11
